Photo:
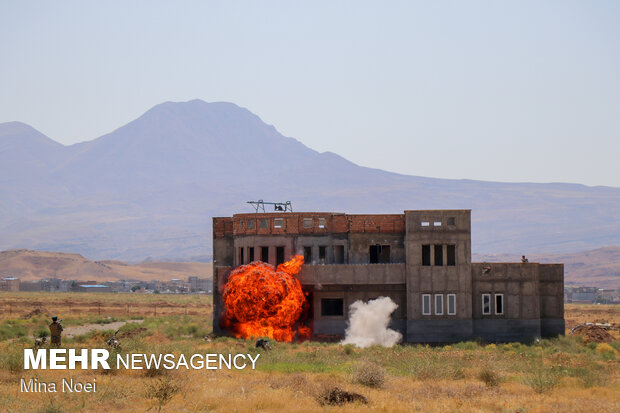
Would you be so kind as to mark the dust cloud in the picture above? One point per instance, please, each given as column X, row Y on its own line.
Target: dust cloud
column 368, row 324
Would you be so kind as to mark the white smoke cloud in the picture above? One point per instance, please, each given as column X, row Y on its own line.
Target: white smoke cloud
column 368, row 323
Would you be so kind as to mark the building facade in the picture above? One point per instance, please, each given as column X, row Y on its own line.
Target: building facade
column 9, row 284
column 420, row 259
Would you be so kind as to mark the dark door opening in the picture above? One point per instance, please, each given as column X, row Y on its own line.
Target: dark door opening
column 308, row 255
column 339, row 254
column 279, row 255
column 264, row 254
column 251, row 254
column 322, row 254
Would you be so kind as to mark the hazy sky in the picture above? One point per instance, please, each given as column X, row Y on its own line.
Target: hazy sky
column 492, row 90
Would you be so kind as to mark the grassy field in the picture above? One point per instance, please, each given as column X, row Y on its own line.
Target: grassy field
column 563, row 374
column 83, row 307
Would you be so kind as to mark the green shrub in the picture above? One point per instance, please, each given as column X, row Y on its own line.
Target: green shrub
column 541, row 379
column 592, row 378
column 12, row 329
column 42, row 332
column 369, row 374
column 467, row 345
column 435, row 367
column 489, row 376
column 161, row 391
column 348, row 349
column 12, row 360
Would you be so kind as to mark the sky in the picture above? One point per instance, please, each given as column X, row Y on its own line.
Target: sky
column 512, row 91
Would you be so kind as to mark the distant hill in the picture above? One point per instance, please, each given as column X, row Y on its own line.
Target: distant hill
column 150, row 188
column 36, row 265
column 595, row 268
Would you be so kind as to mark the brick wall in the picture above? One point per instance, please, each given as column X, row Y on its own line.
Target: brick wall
column 377, row 223
column 222, row 227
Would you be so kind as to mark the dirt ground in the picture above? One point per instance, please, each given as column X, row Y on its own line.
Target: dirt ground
column 79, row 330
column 575, row 314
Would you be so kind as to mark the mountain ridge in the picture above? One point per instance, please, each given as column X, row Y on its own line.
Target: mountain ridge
column 150, row 187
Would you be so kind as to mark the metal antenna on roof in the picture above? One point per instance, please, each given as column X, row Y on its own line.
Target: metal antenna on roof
column 277, row 206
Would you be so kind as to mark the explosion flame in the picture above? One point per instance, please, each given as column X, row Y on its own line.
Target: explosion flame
column 263, row 301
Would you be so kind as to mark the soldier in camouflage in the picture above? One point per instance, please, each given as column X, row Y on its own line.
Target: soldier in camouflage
column 55, row 331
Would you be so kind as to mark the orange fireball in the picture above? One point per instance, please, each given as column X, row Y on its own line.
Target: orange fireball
column 262, row 301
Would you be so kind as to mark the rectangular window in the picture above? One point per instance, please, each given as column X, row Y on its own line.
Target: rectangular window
column 439, row 255
column 438, row 304
column 263, row 223
column 486, row 304
column 250, row 224
column 451, row 255
column 264, row 254
column 308, row 255
column 379, row 254
column 332, row 307
column 251, row 254
column 426, row 224
column 437, row 223
column 339, row 254
column 321, row 222
column 451, row 304
column 452, row 221
column 426, row 255
column 499, row 304
column 308, row 222
column 426, row 304
column 241, row 262
column 279, row 255
column 278, row 222
column 322, row 253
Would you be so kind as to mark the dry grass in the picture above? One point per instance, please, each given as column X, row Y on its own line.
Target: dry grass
column 76, row 305
column 563, row 374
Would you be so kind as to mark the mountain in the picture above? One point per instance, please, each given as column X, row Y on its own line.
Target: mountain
column 150, row 188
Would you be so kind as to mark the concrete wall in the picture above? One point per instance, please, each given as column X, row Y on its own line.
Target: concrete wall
column 454, row 229
column 353, row 274
column 551, row 289
column 517, row 282
column 506, row 330
column 359, row 244
column 223, row 251
column 439, row 330
column 220, row 277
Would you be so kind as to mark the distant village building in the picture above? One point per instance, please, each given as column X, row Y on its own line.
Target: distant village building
column 200, row 284
column 9, row 284
column 608, row 296
column 55, row 285
column 584, row 295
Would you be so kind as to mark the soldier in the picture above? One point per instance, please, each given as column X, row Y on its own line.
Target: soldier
column 55, row 331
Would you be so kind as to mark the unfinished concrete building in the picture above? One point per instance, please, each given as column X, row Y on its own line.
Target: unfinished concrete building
column 420, row 259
